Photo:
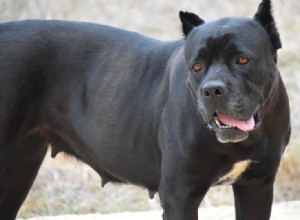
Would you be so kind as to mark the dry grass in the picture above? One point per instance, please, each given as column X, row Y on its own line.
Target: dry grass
column 67, row 186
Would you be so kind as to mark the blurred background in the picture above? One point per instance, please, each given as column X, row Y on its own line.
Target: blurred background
column 65, row 185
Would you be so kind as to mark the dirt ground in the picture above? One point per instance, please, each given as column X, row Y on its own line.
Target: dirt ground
column 281, row 211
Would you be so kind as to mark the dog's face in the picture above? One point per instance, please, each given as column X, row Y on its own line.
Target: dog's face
column 232, row 70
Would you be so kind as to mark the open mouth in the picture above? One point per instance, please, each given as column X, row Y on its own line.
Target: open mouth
column 223, row 121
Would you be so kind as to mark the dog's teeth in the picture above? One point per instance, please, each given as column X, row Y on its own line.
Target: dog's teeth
column 218, row 123
column 224, row 126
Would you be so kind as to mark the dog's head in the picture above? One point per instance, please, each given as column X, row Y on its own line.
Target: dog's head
column 232, row 69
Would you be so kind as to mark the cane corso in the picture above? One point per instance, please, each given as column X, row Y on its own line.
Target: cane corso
column 174, row 117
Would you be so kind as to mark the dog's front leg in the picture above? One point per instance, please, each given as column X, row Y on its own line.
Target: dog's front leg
column 181, row 190
column 254, row 201
column 178, row 206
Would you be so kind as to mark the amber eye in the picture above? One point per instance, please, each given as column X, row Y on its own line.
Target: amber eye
column 197, row 67
column 242, row 60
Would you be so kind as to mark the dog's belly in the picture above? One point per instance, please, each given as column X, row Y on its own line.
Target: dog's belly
column 234, row 174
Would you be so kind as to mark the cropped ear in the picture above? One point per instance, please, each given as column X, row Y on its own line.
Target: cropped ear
column 265, row 18
column 189, row 21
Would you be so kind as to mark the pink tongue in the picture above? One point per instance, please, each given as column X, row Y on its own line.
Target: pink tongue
column 242, row 125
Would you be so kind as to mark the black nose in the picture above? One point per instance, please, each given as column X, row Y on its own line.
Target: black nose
column 213, row 89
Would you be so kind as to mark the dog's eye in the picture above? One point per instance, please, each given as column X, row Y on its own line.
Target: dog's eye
column 242, row 60
column 197, row 67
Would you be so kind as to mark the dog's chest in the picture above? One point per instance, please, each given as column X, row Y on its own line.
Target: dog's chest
column 234, row 174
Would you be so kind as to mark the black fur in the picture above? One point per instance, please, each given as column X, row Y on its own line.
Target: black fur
column 265, row 18
column 136, row 111
column 189, row 21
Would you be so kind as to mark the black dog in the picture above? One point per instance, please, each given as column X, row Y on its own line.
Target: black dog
column 173, row 117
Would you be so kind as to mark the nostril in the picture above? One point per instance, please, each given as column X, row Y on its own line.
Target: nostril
column 213, row 89
column 206, row 93
column 218, row 92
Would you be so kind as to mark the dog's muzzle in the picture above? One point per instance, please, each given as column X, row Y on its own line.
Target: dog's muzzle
column 218, row 107
column 229, row 129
